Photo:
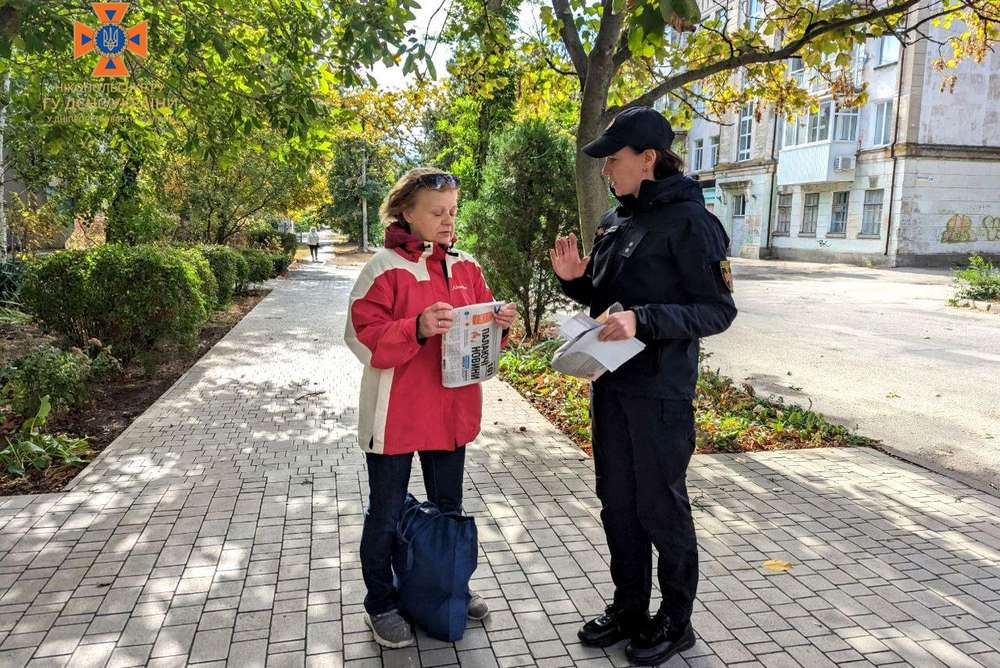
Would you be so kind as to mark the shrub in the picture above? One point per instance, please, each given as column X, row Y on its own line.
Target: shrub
column 11, row 279
column 979, row 281
column 272, row 240
column 149, row 295
column 527, row 199
column 46, row 371
column 259, row 265
column 280, row 264
column 56, row 290
column 209, row 285
column 29, row 447
column 225, row 263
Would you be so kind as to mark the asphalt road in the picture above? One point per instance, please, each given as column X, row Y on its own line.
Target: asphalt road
column 879, row 350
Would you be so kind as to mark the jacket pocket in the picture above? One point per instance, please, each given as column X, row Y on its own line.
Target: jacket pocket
column 631, row 241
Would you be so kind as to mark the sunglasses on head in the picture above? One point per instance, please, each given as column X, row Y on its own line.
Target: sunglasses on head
column 437, row 181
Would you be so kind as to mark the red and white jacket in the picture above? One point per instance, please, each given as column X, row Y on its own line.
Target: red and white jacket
column 404, row 407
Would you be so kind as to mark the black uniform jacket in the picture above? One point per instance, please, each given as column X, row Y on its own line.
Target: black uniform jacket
column 660, row 254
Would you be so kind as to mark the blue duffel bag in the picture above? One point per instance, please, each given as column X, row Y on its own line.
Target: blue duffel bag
column 433, row 559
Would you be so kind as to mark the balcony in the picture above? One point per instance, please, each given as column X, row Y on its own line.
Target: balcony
column 819, row 162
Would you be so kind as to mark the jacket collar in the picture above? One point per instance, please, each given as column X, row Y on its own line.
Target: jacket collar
column 653, row 193
column 399, row 238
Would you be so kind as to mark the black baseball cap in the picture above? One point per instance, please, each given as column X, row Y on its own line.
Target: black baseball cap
column 638, row 127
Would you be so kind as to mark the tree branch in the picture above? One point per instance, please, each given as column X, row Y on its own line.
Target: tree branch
column 571, row 38
column 756, row 57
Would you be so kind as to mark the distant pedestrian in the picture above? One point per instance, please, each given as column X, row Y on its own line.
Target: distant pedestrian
column 313, row 241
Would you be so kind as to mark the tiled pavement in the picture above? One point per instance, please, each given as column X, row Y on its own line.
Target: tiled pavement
column 223, row 526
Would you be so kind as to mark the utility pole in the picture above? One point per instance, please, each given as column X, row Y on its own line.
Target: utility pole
column 3, row 170
column 364, row 198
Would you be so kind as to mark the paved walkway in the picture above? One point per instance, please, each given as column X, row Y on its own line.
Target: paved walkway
column 223, row 526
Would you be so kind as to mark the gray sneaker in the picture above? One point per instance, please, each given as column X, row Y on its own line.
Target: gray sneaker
column 390, row 629
column 478, row 608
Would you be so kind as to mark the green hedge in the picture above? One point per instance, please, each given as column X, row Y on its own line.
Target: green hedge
column 259, row 265
column 230, row 270
column 131, row 297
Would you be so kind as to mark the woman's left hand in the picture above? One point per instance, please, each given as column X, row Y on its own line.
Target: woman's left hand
column 506, row 316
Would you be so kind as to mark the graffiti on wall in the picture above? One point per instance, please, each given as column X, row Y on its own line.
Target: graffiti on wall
column 960, row 229
column 991, row 225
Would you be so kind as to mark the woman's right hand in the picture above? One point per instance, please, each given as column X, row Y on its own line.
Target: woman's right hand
column 435, row 319
column 566, row 260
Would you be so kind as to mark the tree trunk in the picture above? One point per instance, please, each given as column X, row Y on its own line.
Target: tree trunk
column 591, row 189
column 123, row 206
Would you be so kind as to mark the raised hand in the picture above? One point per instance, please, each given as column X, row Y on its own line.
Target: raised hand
column 566, row 260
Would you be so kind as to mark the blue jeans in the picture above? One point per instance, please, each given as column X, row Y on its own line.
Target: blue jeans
column 388, row 478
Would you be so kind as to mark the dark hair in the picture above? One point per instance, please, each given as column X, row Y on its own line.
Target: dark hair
column 667, row 164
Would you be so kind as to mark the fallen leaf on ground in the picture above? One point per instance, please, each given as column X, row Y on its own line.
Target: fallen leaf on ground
column 778, row 565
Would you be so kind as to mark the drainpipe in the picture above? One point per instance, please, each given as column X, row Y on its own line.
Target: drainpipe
column 772, row 190
column 892, row 150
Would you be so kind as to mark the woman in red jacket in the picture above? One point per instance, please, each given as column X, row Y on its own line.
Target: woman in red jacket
column 400, row 306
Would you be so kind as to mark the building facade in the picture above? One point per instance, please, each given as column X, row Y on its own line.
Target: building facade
column 910, row 178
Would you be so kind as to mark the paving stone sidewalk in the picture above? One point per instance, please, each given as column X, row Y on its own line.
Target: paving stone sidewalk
column 223, row 527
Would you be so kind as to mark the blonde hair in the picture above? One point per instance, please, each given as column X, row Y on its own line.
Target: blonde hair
column 401, row 195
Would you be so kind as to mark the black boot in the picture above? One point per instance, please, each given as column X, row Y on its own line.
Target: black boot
column 659, row 641
column 613, row 626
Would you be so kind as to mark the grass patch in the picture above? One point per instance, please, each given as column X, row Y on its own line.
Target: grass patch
column 980, row 281
column 728, row 417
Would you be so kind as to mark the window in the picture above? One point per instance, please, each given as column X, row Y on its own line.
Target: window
column 810, row 214
column 888, row 49
column 883, row 123
column 739, row 205
column 819, row 124
column 871, row 221
column 699, row 150
column 746, row 132
column 838, row 215
column 713, row 151
column 739, row 213
column 845, row 127
column 784, row 214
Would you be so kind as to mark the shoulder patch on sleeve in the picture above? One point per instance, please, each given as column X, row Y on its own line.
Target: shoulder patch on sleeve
column 726, row 269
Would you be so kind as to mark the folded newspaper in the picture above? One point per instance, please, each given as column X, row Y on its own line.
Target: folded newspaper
column 584, row 355
column 470, row 350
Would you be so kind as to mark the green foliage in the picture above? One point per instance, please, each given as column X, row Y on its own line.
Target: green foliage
column 56, row 290
column 46, row 371
column 226, row 266
column 147, row 296
column 563, row 399
column 280, row 263
column 31, row 448
column 208, row 284
column 727, row 418
column 528, row 198
column 979, row 281
column 11, row 279
column 260, row 267
column 275, row 242
column 131, row 297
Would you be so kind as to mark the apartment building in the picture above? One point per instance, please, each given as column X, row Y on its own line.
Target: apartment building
column 910, row 178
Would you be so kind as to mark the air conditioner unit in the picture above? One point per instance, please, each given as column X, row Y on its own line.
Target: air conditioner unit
column 843, row 163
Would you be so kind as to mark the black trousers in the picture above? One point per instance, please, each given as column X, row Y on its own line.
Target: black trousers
column 642, row 447
column 388, row 478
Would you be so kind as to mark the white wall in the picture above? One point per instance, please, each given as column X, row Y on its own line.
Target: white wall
column 949, row 209
column 969, row 116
